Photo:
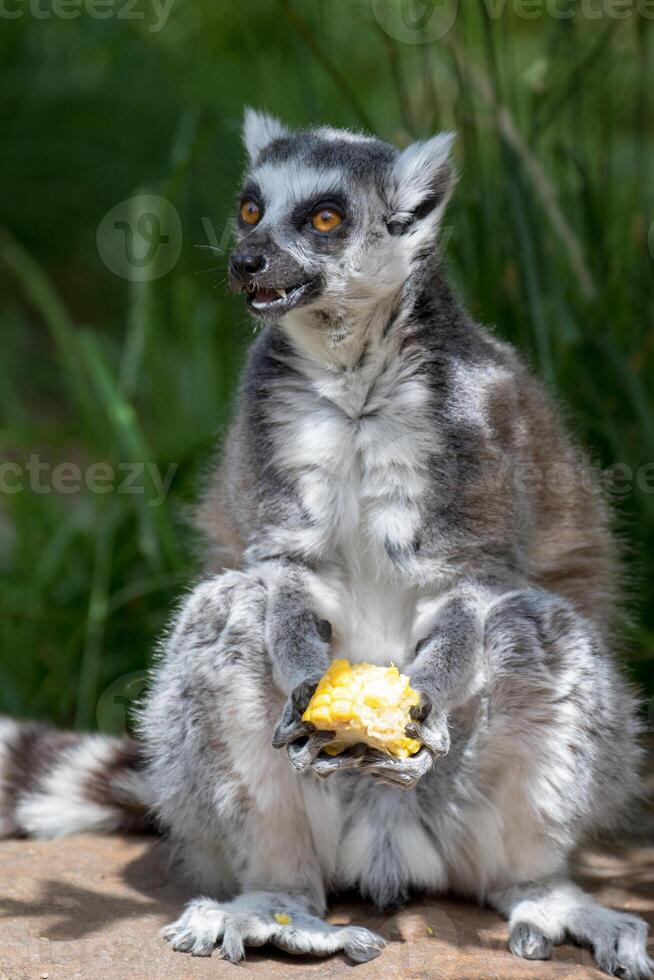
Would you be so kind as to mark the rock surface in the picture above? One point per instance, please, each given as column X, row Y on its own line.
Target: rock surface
column 89, row 907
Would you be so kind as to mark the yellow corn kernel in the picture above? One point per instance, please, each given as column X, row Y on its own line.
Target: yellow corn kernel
column 320, row 700
column 342, row 711
column 321, row 716
column 364, row 703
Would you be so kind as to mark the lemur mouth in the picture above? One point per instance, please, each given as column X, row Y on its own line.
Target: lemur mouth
column 278, row 301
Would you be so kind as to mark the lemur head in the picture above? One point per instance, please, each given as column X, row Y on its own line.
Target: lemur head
column 330, row 223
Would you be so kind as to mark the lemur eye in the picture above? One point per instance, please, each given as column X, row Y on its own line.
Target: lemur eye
column 250, row 212
column 325, row 219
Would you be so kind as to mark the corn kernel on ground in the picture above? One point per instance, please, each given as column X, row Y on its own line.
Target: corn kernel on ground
column 364, row 703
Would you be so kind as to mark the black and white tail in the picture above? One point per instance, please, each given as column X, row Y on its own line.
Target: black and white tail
column 56, row 783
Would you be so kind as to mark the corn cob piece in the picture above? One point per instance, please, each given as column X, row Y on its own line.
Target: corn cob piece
column 364, row 703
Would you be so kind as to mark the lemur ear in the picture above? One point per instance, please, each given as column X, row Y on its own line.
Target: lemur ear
column 421, row 182
column 259, row 129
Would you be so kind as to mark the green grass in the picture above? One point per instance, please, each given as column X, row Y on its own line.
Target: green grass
column 547, row 240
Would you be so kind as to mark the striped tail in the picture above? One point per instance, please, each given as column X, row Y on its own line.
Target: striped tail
column 56, row 783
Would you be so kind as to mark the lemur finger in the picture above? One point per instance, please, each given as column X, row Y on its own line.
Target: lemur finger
column 289, row 731
column 303, row 692
column 420, row 711
column 326, row 765
column 434, row 735
column 402, row 772
column 304, row 751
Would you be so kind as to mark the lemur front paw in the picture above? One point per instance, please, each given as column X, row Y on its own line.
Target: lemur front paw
column 429, row 725
column 304, row 745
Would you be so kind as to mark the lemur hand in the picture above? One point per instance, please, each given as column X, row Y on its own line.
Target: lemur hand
column 304, row 745
column 430, row 726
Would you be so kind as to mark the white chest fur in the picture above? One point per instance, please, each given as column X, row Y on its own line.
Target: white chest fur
column 356, row 445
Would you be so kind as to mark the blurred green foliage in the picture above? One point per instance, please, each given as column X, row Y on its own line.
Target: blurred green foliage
column 547, row 240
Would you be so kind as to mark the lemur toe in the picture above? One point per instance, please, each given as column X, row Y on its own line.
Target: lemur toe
column 529, row 943
column 363, row 945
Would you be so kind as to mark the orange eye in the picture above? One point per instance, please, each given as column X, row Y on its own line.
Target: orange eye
column 325, row 219
column 250, row 212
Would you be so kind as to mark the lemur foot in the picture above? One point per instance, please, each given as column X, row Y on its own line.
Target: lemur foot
column 618, row 946
column 265, row 917
column 547, row 914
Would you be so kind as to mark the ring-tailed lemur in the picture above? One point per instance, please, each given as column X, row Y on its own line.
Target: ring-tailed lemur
column 386, row 495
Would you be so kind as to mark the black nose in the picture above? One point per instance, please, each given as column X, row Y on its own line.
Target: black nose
column 245, row 264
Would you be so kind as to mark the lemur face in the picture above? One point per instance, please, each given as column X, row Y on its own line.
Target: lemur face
column 330, row 221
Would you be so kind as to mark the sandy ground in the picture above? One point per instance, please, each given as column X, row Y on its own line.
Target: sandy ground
column 89, row 907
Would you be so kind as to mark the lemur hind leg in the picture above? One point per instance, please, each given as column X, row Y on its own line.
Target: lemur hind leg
column 555, row 760
column 563, row 720
column 231, row 803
